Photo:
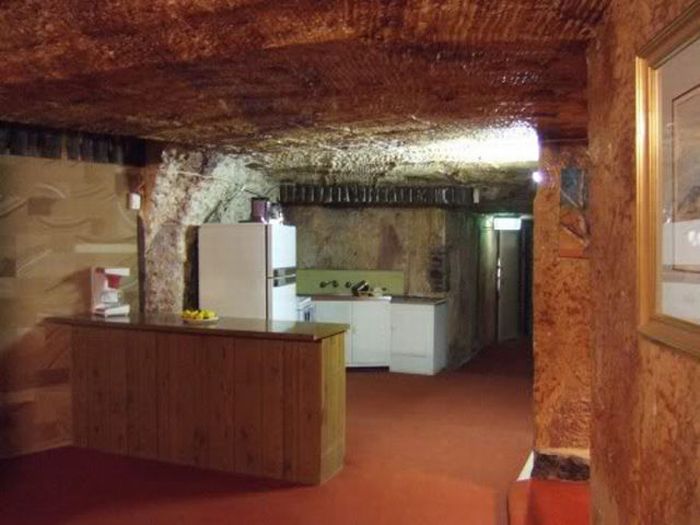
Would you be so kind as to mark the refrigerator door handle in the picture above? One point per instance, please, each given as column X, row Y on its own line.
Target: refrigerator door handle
column 284, row 281
column 283, row 272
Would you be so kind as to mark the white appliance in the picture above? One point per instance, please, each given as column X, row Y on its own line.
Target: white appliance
column 248, row 270
column 106, row 297
column 306, row 310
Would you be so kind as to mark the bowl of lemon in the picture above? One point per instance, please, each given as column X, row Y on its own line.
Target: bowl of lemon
column 199, row 316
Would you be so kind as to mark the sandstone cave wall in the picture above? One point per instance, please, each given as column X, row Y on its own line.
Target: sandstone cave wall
column 184, row 189
column 407, row 240
column 462, row 238
column 646, row 397
column 562, row 312
column 486, row 282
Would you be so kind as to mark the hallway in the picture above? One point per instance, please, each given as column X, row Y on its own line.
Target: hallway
column 438, row 449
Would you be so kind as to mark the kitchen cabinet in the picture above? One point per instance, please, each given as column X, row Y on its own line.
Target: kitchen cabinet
column 371, row 333
column 337, row 312
column 152, row 386
column 368, row 341
column 418, row 338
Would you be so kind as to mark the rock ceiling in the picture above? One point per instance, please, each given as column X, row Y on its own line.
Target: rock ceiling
column 268, row 76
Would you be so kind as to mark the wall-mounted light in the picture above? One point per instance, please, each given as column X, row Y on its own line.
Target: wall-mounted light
column 507, row 223
column 537, row 177
column 133, row 201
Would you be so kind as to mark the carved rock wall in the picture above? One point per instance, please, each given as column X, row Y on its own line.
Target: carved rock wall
column 646, row 404
column 260, row 72
column 562, row 317
column 487, row 293
column 186, row 189
column 409, row 240
column 462, row 237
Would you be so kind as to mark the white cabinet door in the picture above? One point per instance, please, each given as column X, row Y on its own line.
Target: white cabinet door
column 412, row 330
column 418, row 338
column 337, row 312
column 371, row 334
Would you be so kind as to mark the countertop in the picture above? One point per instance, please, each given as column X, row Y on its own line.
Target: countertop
column 229, row 326
column 348, row 297
column 398, row 299
column 413, row 299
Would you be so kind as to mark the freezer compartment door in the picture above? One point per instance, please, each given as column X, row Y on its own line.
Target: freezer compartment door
column 281, row 247
column 283, row 300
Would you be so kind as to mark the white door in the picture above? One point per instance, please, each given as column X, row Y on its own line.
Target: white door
column 283, row 303
column 232, row 270
column 337, row 312
column 371, row 336
column 282, row 247
column 508, row 284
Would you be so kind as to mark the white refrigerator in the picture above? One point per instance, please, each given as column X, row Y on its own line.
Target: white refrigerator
column 248, row 270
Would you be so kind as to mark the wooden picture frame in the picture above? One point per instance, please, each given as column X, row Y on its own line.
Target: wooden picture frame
column 668, row 182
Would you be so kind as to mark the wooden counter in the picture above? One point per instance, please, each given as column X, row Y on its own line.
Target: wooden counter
column 247, row 328
column 245, row 396
column 393, row 299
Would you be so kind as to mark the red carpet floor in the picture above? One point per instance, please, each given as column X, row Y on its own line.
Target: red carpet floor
column 420, row 450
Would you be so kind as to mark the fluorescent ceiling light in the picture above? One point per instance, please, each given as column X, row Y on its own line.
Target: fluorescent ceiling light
column 507, row 223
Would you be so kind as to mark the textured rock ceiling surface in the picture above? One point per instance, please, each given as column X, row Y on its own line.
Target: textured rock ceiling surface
column 266, row 75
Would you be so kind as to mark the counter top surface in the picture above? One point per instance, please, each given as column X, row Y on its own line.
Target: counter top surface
column 412, row 299
column 251, row 328
column 347, row 297
column 398, row 299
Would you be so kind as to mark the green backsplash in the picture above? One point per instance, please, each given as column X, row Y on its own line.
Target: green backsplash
column 308, row 280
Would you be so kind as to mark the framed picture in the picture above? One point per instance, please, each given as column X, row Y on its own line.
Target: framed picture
column 668, row 196
column 574, row 237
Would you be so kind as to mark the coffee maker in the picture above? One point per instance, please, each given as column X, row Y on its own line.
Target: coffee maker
column 107, row 298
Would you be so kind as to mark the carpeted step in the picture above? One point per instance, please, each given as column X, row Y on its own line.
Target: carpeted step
column 545, row 502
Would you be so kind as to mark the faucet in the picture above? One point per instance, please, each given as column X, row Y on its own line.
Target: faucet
column 359, row 287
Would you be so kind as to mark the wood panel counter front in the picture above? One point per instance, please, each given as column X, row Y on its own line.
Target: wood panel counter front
column 246, row 396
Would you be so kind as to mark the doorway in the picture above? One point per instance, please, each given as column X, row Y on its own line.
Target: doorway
column 508, row 285
column 505, row 275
